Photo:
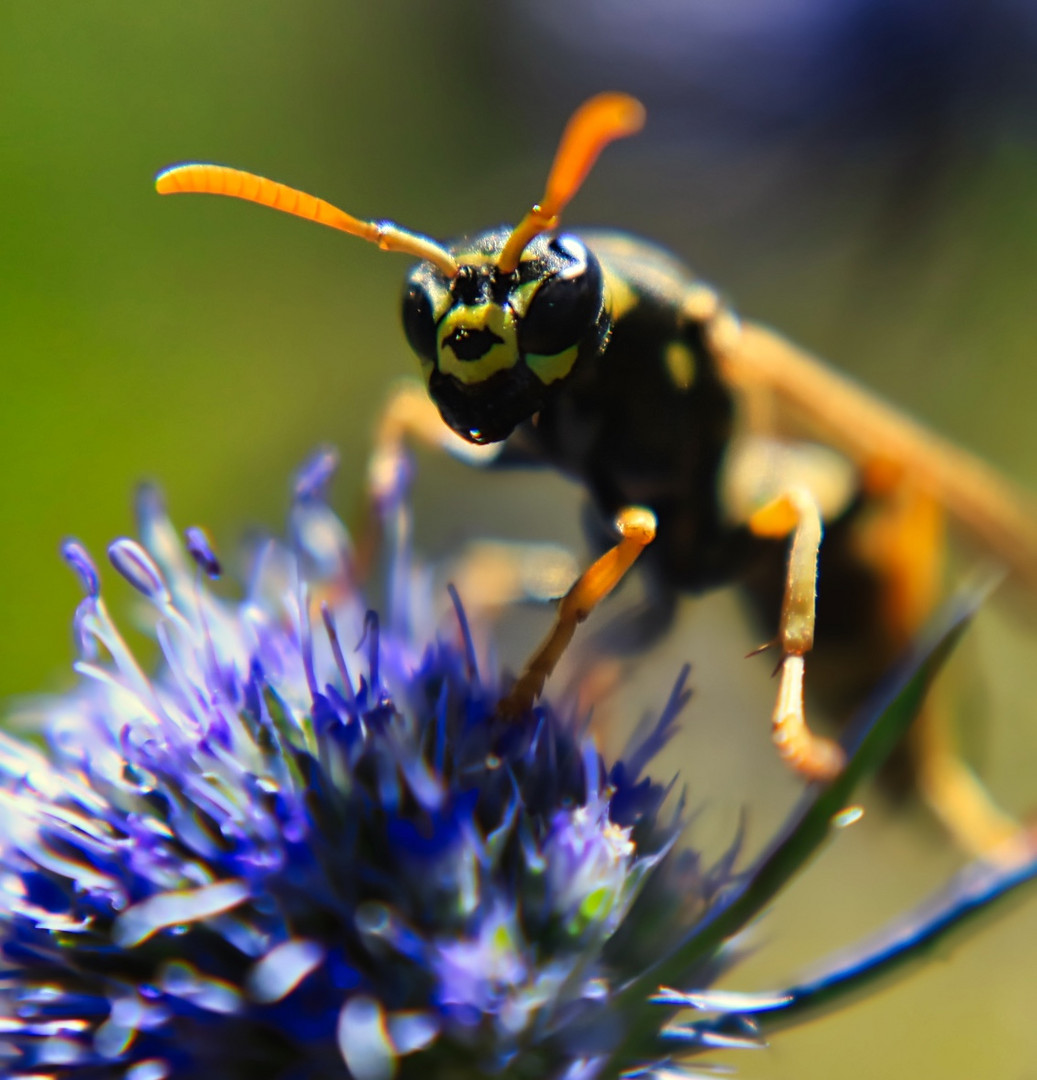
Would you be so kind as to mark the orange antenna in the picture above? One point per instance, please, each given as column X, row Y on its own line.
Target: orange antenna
column 199, row 179
column 595, row 124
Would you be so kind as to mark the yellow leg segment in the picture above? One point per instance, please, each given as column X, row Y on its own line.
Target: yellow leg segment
column 636, row 527
column 904, row 541
column 952, row 790
column 796, row 513
column 408, row 418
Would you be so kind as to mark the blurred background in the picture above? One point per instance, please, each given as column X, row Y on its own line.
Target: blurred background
column 862, row 175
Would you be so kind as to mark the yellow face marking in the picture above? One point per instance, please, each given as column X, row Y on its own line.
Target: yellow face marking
column 474, row 257
column 680, row 363
column 549, row 369
column 478, row 257
column 522, row 295
column 441, row 301
column 499, row 357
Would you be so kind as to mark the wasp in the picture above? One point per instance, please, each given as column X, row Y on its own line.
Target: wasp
column 721, row 451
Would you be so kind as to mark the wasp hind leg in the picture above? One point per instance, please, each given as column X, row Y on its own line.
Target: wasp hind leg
column 952, row 791
column 903, row 541
column 636, row 527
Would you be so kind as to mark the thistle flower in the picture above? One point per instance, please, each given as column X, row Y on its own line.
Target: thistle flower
column 286, row 857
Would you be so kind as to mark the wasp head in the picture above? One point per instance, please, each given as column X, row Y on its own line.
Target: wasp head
column 493, row 345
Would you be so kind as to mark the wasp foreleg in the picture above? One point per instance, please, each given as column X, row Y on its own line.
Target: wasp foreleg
column 636, row 527
column 408, row 417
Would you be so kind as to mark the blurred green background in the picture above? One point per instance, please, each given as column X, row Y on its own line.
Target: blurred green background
column 874, row 199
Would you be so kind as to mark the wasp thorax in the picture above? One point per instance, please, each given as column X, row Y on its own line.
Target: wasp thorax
column 493, row 345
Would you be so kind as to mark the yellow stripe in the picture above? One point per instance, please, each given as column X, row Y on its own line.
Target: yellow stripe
column 492, row 317
column 680, row 364
column 549, row 369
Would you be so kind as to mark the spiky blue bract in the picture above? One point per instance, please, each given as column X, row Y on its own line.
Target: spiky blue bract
column 290, row 855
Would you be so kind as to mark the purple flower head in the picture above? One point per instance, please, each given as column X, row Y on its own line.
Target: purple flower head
column 309, row 848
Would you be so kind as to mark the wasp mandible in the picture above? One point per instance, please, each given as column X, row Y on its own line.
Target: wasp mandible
column 719, row 449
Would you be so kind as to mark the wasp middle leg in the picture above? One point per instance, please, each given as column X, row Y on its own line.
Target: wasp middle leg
column 795, row 512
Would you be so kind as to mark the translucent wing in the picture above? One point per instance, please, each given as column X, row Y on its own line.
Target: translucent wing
column 834, row 408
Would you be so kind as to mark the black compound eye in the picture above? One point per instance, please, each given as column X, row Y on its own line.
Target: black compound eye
column 419, row 323
column 563, row 310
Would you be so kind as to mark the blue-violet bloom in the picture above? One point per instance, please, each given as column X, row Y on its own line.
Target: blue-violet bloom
column 290, row 856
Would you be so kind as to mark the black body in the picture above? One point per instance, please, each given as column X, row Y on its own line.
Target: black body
column 634, row 437
column 634, row 427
